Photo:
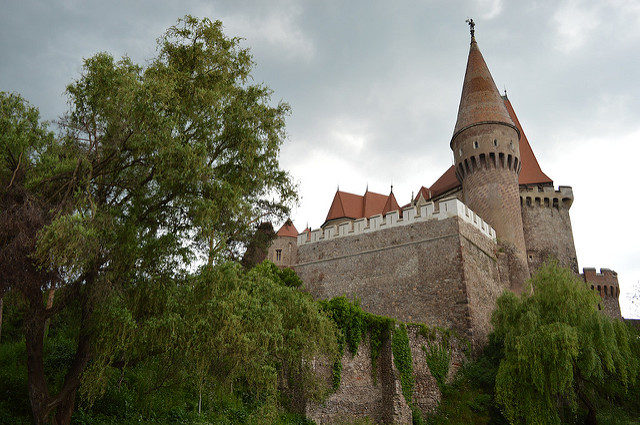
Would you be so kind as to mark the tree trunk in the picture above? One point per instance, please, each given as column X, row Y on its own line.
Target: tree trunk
column 65, row 408
column 38, row 390
column 591, row 417
column 45, row 407
column 1, row 305
column 52, row 292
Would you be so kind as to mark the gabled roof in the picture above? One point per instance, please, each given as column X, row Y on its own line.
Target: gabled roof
column 287, row 229
column 480, row 100
column 391, row 204
column 350, row 205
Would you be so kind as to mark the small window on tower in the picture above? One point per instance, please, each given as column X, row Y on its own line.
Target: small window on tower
column 278, row 254
column 495, row 142
column 475, row 144
column 511, row 144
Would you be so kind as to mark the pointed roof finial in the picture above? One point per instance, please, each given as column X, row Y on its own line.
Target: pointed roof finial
column 472, row 26
column 367, row 189
column 391, row 187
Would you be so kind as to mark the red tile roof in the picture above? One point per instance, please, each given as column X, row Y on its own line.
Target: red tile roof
column 288, row 229
column 350, row 205
column 480, row 100
column 531, row 173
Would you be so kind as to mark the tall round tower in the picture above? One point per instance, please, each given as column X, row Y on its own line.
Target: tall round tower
column 485, row 146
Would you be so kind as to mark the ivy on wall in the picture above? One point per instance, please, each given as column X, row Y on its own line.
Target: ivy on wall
column 402, row 359
column 353, row 324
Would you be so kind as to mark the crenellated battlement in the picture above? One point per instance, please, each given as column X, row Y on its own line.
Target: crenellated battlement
column 546, row 196
column 605, row 282
column 412, row 214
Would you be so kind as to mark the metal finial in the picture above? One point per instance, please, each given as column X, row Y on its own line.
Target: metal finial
column 471, row 26
column 391, row 187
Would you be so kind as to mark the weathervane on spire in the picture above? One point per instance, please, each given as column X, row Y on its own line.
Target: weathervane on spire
column 472, row 26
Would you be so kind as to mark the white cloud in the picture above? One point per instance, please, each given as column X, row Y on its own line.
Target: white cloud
column 492, row 8
column 575, row 20
column 278, row 28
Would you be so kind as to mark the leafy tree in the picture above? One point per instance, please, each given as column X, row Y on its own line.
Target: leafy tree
column 155, row 165
column 221, row 329
column 559, row 350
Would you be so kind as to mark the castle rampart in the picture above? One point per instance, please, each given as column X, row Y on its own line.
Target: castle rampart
column 425, row 271
column 547, row 226
column 412, row 214
column 606, row 284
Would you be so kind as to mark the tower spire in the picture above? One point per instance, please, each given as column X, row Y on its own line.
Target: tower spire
column 480, row 101
column 472, row 26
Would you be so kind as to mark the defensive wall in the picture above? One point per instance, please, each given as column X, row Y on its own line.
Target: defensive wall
column 547, row 225
column 606, row 284
column 380, row 398
column 408, row 215
column 436, row 264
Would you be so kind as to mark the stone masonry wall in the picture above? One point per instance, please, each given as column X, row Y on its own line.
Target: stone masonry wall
column 547, row 232
column 288, row 247
column 606, row 285
column 381, row 400
column 483, row 282
column 414, row 273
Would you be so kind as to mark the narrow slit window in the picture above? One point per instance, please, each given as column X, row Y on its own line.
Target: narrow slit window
column 278, row 254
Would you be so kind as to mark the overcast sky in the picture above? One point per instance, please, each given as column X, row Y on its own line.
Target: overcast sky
column 374, row 89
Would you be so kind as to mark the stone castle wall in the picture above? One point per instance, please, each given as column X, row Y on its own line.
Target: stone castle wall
column 288, row 247
column 606, row 285
column 547, row 226
column 381, row 400
column 438, row 272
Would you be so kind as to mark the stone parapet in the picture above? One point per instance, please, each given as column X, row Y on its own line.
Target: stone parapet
column 606, row 284
column 412, row 214
column 546, row 196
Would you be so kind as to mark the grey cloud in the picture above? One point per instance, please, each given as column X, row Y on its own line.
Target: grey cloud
column 390, row 75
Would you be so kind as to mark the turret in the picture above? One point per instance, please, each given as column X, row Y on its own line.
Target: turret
column 485, row 146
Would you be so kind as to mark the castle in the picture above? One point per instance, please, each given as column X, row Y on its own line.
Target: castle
column 484, row 226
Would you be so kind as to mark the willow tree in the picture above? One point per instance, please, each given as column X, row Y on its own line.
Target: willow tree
column 154, row 166
column 559, row 351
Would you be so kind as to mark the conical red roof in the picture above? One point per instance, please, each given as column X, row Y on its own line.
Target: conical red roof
column 480, row 101
column 531, row 173
column 288, row 229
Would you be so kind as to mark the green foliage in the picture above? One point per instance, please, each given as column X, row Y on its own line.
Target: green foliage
column 225, row 327
column 402, row 360
column 559, row 350
column 14, row 400
column 438, row 357
column 155, row 165
column 354, row 324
